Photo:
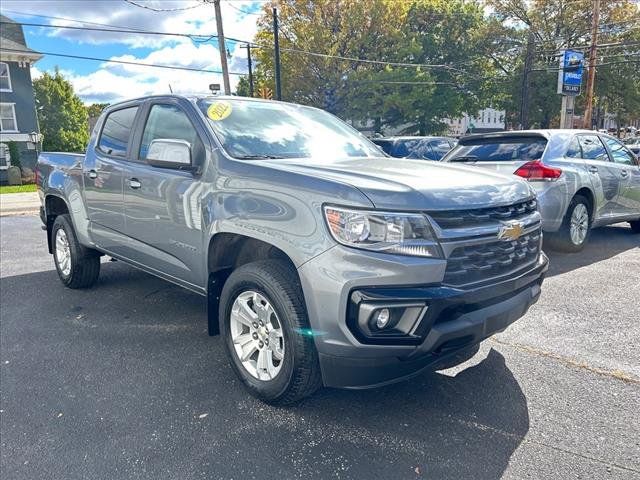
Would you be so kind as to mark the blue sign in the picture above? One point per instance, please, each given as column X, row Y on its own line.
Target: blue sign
column 570, row 73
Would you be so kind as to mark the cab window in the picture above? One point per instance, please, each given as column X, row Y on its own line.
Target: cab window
column 170, row 122
column 619, row 153
column 116, row 132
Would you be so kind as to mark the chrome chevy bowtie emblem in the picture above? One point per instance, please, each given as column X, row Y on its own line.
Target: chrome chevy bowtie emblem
column 510, row 231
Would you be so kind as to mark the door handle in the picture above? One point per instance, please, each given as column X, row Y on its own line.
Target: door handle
column 593, row 169
column 134, row 183
column 93, row 174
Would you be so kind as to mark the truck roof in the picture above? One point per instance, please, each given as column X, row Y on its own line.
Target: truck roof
column 193, row 97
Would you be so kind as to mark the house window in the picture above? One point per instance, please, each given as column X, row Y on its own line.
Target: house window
column 5, row 78
column 8, row 118
column 5, row 157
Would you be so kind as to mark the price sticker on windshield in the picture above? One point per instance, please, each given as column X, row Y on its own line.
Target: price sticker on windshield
column 219, row 111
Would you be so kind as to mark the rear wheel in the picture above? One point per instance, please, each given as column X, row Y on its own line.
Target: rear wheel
column 264, row 324
column 575, row 229
column 635, row 226
column 77, row 266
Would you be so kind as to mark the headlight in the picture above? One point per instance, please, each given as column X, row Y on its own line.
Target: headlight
column 389, row 232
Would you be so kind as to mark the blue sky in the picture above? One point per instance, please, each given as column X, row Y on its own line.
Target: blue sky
column 108, row 82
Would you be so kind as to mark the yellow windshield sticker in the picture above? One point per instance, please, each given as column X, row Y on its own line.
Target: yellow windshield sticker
column 219, row 111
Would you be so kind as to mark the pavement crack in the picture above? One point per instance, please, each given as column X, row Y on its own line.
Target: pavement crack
column 483, row 427
column 616, row 374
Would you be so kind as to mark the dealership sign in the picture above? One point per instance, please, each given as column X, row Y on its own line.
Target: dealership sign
column 570, row 72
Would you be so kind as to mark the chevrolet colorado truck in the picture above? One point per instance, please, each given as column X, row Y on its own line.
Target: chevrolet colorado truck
column 324, row 262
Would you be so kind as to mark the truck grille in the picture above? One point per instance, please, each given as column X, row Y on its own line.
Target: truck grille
column 455, row 218
column 476, row 263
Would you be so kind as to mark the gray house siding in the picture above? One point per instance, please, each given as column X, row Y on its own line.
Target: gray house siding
column 23, row 98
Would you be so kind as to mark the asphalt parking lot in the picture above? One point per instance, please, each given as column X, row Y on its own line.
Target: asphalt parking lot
column 122, row 381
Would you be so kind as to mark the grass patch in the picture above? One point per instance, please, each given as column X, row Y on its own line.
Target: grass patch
column 17, row 188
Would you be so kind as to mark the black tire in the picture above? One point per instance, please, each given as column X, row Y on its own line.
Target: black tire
column 561, row 240
column 635, row 226
column 85, row 263
column 278, row 283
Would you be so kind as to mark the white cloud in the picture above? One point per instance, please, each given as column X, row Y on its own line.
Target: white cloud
column 197, row 21
column 112, row 81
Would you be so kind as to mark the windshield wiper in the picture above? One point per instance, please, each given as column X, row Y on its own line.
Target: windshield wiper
column 258, row 156
column 465, row 158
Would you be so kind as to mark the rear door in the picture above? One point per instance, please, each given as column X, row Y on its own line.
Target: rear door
column 163, row 213
column 628, row 170
column 103, row 172
column 603, row 173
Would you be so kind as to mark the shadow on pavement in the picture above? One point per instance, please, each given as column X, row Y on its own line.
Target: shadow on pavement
column 130, row 365
column 604, row 243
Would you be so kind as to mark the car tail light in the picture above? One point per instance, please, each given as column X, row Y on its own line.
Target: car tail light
column 537, row 171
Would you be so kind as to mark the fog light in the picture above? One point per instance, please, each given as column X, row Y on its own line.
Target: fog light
column 382, row 318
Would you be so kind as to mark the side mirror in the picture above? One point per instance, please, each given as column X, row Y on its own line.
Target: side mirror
column 170, row 153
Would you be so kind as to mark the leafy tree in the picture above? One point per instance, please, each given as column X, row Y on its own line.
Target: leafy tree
column 562, row 24
column 62, row 115
column 95, row 109
column 450, row 36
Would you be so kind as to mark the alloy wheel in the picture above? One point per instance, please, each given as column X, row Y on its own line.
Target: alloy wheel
column 257, row 335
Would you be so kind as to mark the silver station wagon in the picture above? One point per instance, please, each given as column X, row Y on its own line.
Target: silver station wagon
column 583, row 179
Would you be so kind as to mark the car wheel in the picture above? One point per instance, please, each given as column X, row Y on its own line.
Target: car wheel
column 575, row 229
column 77, row 266
column 264, row 324
column 635, row 226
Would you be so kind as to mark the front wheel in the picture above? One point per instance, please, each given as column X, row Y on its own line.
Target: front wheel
column 264, row 324
column 575, row 229
column 77, row 266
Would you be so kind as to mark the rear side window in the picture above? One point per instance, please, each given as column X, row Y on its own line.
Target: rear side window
column 169, row 122
column 619, row 152
column 499, row 149
column 116, row 132
column 592, row 148
column 574, row 150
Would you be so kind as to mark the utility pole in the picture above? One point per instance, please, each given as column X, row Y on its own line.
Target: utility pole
column 277, row 53
column 248, row 47
column 524, row 100
column 222, row 48
column 591, row 76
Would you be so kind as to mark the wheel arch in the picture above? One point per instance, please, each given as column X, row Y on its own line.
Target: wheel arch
column 588, row 194
column 54, row 205
column 226, row 252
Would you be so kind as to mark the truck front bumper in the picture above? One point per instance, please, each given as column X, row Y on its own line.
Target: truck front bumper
column 453, row 319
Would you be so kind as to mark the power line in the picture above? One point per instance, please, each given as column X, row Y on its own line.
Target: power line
column 146, row 7
column 106, row 28
column 126, row 62
column 243, row 11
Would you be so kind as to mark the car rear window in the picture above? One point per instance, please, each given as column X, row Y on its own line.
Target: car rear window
column 498, row 149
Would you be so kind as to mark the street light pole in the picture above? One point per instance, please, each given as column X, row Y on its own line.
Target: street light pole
column 248, row 47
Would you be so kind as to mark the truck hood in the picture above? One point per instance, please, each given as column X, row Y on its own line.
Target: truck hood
column 397, row 184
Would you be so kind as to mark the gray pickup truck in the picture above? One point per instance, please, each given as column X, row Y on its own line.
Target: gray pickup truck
column 324, row 262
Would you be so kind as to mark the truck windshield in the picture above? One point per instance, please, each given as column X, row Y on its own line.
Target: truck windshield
column 498, row 149
column 255, row 130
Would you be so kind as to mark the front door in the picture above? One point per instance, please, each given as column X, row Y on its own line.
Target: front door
column 103, row 172
column 162, row 207
column 629, row 172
